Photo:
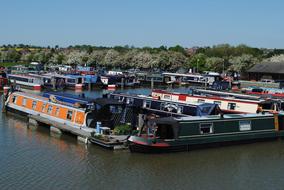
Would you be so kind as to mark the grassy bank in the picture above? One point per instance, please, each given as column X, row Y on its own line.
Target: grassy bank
column 10, row 64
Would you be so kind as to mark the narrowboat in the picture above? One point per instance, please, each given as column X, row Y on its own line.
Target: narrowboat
column 62, row 81
column 147, row 78
column 150, row 105
column 49, row 108
column 72, row 111
column 49, row 82
column 110, row 79
column 18, row 69
column 227, row 104
column 154, row 77
column 208, row 78
column 180, row 78
column 268, row 92
column 75, row 82
column 182, row 134
column 25, row 81
column 129, row 81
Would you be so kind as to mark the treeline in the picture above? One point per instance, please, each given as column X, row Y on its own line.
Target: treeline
column 217, row 58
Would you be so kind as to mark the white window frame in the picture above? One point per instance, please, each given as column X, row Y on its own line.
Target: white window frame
column 210, row 131
column 24, row 102
column 245, row 125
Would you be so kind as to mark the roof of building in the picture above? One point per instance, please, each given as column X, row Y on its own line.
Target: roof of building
column 268, row 67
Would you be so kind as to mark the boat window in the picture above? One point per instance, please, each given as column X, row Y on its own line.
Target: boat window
column 200, row 101
column 115, row 109
column 79, row 81
column 164, row 131
column 162, row 106
column 57, row 111
column 245, row 125
column 171, row 108
column 43, row 107
column 69, row 115
column 34, row 105
column 98, row 106
column 257, row 90
column 167, row 97
column 24, row 102
column 206, row 109
column 14, row 99
column 71, row 81
column 146, row 104
column 231, row 106
column 206, row 128
column 129, row 101
column 121, row 99
column 49, row 109
column 218, row 103
column 180, row 109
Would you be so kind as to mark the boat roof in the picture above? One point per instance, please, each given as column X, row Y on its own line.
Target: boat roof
column 151, row 98
column 226, row 116
column 209, row 96
column 61, row 76
column 209, row 118
column 31, row 95
column 72, row 97
column 74, row 76
column 22, row 76
column 107, row 101
column 45, row 97
column 222, row 93
column 182, row 75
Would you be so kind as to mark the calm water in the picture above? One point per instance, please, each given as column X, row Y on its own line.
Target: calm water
column 33, row 159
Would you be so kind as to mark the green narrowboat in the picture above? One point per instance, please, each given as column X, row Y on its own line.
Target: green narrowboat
column 185, row 133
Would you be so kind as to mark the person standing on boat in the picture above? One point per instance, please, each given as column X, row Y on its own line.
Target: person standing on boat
column 151, row 124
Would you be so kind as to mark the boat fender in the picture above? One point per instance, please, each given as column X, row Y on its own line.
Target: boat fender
column 52, row 98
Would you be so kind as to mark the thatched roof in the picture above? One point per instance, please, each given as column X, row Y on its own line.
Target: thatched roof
column 268, row 67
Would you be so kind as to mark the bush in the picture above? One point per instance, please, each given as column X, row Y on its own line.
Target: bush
column 122, row 130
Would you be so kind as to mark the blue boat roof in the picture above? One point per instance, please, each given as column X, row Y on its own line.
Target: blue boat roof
column 75, row 76
column 69, row 98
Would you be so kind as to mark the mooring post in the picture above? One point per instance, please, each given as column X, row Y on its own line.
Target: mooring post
column 122, row 82
column 90, row 86
column 152, row 83
column 53, row 81
column 3, row 103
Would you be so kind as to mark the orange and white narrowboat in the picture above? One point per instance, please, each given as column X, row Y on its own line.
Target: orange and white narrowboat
column 29, row 104
column 73, row 112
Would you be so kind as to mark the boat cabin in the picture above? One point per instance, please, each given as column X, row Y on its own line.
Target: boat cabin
column 148, row 105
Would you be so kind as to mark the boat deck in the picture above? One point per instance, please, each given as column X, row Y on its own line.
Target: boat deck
column 113, row 142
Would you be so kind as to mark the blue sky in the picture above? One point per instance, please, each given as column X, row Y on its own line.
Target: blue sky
column 142, row 22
